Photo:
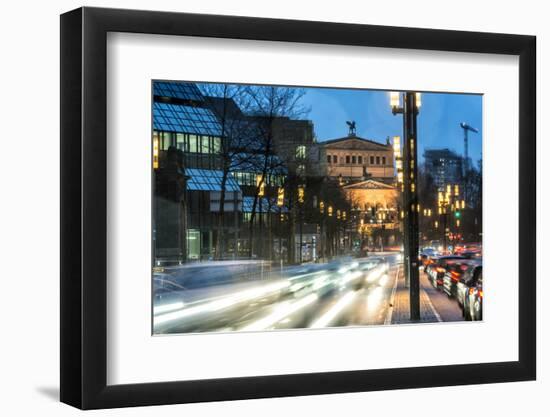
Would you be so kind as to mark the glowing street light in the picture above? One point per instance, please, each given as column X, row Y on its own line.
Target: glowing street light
column 260, row 184
column 280, row 196
column 418, row 100
column 155, row 152
column 397, row 146
column 301, row 194
column 394, row 99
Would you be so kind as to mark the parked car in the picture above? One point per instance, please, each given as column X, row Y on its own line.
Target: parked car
column 470, row 274
column 473, row 301
column 452, row 275
column 437, row 268
column 427, row 254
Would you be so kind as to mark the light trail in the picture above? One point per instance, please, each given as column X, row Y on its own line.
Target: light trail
column 168, row 307
column 221, row 303
column 329, row 316
column 281, row 312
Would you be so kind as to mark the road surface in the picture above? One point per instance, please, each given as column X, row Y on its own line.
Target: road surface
column 348, row 292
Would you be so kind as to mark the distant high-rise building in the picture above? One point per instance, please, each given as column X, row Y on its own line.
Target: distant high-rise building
column 444, row 165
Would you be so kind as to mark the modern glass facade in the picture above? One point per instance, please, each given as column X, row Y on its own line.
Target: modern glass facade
column 189, row 157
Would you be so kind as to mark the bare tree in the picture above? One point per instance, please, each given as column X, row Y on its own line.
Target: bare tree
column 270, row 105
column 230, row 102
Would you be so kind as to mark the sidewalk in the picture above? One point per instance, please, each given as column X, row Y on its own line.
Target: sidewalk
column 400, row 311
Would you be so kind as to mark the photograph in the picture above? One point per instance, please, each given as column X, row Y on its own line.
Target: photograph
column 300, row 207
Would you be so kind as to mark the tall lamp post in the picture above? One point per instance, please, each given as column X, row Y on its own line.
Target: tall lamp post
column 280, row 204
column 409, row 109
column 401, row 187
column 301, row 199
column 322, row 246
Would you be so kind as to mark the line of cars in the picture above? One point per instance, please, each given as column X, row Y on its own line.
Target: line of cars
column 460, row 275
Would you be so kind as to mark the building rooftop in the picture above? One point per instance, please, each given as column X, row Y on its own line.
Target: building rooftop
column 354, row 142
column 441, row 153
column 369, row 185
column 185, row 119
column 179, row 90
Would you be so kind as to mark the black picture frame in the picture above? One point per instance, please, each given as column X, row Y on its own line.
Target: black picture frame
column 84, row 207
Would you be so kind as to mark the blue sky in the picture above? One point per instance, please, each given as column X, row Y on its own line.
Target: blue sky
column 438, row 120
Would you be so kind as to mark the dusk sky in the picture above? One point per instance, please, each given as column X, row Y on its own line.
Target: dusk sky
column 438, row 121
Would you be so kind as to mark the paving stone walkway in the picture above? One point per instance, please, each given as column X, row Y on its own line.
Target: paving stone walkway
column 400, row 313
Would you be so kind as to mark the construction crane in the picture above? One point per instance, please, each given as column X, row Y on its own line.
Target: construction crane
column 466, row 127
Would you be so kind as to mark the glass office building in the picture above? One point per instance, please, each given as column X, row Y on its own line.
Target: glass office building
column 187, row 164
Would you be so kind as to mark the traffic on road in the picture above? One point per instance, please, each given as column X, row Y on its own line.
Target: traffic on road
column 254, row 296
column 249, row 296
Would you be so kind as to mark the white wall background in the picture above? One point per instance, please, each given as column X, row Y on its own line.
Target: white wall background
column 29, row 212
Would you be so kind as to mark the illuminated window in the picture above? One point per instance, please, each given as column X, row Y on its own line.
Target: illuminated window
column 193, row 148
column 205, row 148
column 216, row 144
column 300, row 152
column 180, row 141
column 155, row 149
column 166, row 140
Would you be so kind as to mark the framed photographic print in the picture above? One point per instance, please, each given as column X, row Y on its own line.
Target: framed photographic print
column 256, row 208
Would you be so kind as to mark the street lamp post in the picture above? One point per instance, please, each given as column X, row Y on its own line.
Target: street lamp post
column 409, row 110
column 322, row 248
column 280, row 204
column 301, row 197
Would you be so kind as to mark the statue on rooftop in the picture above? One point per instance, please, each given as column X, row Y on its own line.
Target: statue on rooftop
column 352, row 129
